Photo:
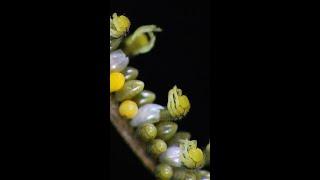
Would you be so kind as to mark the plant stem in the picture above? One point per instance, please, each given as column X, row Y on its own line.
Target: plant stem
column 127, row 133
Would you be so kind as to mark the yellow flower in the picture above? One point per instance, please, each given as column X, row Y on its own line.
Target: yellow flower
column 116, row 81
column 178, row 104
column 191, row 156
column 119, row 25
column 128, row 109
column 141, row 41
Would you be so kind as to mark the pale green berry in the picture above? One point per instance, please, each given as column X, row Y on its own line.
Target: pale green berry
column 147, row 131
column 130, row 73
column 157, row 147
column 129, row 90
column 166, row 130
column 163, row 172
column 145, row 97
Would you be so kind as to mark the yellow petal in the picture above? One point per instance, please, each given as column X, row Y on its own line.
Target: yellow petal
column 196, row 155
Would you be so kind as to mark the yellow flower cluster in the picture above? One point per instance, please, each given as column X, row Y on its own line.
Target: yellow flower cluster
column 191, row 156
column 119, row 25
column 178, row 104
column 141, row 41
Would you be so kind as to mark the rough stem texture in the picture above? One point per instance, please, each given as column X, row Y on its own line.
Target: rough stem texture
column 127, row 133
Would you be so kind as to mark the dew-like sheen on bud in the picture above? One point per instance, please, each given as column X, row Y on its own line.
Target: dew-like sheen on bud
column 130, row 89
column 166, row 130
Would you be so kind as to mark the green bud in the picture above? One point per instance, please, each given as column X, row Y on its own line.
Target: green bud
column 163, row 172
column 157, row 146
column 203, row 175
column 130, row 73
column 147, row 131
column 130, row 89
column 145, row 97
column 181, row 135
column 183, row 174
column 166, row 130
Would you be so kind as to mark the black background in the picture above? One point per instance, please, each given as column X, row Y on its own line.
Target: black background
column 54, row 74
column 54, row 65
column 183, row 56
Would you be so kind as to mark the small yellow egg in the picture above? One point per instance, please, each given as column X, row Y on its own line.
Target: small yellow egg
column 128, row 109
column 116, row 81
